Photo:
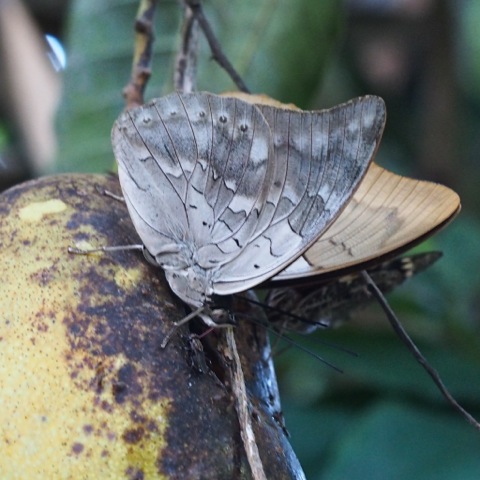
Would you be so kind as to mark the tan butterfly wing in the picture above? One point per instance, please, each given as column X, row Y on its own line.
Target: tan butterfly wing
column 387, row 215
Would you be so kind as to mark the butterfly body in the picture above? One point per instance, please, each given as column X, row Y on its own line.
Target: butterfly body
column 224, row 194
column 306, row 308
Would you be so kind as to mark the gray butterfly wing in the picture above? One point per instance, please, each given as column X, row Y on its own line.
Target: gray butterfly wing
column 320, row 158
column 195, row 172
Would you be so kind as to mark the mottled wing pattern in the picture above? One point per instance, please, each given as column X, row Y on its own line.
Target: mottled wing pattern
column 319, row 160
column 387, row 215
column 195, row 172
column 324, row 305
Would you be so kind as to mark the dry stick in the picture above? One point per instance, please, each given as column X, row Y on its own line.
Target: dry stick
column 401, row 332
column 242, row 406
column 186, row 61
column 217, row 52
column 142, row 56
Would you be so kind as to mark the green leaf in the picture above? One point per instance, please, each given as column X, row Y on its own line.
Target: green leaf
column 400, row 442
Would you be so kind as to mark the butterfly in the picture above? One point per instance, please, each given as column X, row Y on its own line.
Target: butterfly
column 227, row 194
column 305, row 308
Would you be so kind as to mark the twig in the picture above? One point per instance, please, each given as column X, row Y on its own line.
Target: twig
column 217, row 52
column 142, row 56
column 401, row 332
column 242, row 406
column 186, row 61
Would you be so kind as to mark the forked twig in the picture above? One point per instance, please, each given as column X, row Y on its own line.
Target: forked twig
column 401, row 332
column 242, row 407
column 186, row 61
column 142, row 56
column 216, row 49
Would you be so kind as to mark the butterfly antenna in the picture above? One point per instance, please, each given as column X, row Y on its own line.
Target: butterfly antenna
column 302, row 319
column 282, row 312
column 292, row 342
column 401, row 332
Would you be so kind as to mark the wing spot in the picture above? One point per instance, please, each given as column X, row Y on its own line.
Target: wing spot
column 256, row 266
column 147, row 120
column 193, row 206
column 201, row 114
column 222, row 119
column 243, row 128
column 173, row 113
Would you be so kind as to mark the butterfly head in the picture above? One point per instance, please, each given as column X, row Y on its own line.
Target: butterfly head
column 191, row 284
column 194, row 287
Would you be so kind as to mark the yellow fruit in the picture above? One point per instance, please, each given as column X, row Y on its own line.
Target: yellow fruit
column 86, row 391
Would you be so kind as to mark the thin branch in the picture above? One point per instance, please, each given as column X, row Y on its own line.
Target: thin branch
column 217, row 52
column 186, row 62
column 142, row 56
column 401, row 332
column 242, row 406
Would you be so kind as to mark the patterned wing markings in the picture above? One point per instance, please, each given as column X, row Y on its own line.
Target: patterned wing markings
column 330, row 170
column 225, row 191
column 172, row 177
column 387, row 215
column 224, row 194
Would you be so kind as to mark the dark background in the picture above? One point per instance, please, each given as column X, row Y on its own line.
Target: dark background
column 382, row 418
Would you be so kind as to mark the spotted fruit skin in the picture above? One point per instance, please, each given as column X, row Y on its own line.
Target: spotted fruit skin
column 87, row 392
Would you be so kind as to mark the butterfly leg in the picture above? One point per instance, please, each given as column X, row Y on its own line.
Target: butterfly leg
column 108, row 193
column 181, row 322
column 87, row 251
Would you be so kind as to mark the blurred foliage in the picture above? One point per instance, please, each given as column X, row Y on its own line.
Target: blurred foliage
column 3, row 137
column 270, row 55
column 383, row 418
